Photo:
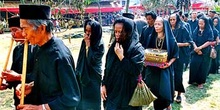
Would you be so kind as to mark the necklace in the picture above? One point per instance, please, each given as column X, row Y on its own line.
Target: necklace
column 159, row 43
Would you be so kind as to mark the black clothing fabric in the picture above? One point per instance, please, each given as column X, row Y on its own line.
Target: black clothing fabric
column 17, row 63
column 161, row 81
column 140, row 25
column 56, row 82
column 89, row 69
column 120, row 77
column 193, row 24
column 145, row 36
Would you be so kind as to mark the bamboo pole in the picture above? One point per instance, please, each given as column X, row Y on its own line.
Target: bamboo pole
column 7, row 59
column 23, row 76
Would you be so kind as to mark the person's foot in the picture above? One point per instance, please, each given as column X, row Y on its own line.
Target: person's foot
column 169, row 107
column 200, row 86
column 178, row 99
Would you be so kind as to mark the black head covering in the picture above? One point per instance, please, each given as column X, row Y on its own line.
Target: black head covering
column 128, row 15
column 186, row 15
column 96, row 33
column 133, row 50
column 200, row 15
column 179, row 22
column 207, row 28
column 207, row 25
column 152, row 14
column 132, row 37
column 35, row 12
column 130, row 29
column 213, row 11
column 176, row 11
column 218, row 25
column 14, row 22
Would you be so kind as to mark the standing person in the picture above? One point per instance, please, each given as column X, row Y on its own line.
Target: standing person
column 200, row 61
column 160, row 79
column 140, row 24
column 216, row 22
column 89, row 66
column 214, row 62
column 193, row 21
column 183, row 39
column 147, row 30
column 55, row 82
column 124, row 62
column 212, row 14
column 13, row 76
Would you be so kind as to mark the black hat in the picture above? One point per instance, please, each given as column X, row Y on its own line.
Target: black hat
column 213, row 11
column 128, row 15
column 176, row 11
column 14, row 21
column 35, row 12
column 186, row 15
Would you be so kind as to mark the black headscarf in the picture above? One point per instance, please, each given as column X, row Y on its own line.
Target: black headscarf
column 218, row 25
column 207, row 27
column 179, row 22
column 96, row 33
column 130, row 45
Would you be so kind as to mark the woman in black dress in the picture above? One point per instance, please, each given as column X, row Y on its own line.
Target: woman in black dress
column 200, row 61
column 160, row 80
column 124, row 62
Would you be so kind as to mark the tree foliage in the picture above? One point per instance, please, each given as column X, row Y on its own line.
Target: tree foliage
column 154, row 4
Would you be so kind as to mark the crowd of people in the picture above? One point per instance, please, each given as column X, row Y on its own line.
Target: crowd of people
column 59, row 84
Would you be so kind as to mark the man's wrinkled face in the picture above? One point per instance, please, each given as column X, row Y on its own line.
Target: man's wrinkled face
column 30, row 32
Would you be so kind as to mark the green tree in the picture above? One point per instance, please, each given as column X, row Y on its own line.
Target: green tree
column 155, row 4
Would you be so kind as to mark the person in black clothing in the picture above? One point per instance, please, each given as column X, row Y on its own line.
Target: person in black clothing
column 55, row 83
column 89, row 66
column 160, row 80
column 147, row 30
column 124, row 62
column 200, row 61
column 182, row 36
column 13, row 76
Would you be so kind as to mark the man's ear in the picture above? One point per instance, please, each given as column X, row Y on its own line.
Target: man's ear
column 42, row 29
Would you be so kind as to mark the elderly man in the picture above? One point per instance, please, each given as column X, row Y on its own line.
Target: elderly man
column 13, row 76
column 55, row 82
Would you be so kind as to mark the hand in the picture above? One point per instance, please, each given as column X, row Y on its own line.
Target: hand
column 103, row 92
column 166, row 65
column 119, row 51
column 199, row 52
column 29, row 107
column 28, row 88
column 87, row 39
column 10, row 75
column 3, row 86
column 197, row 49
